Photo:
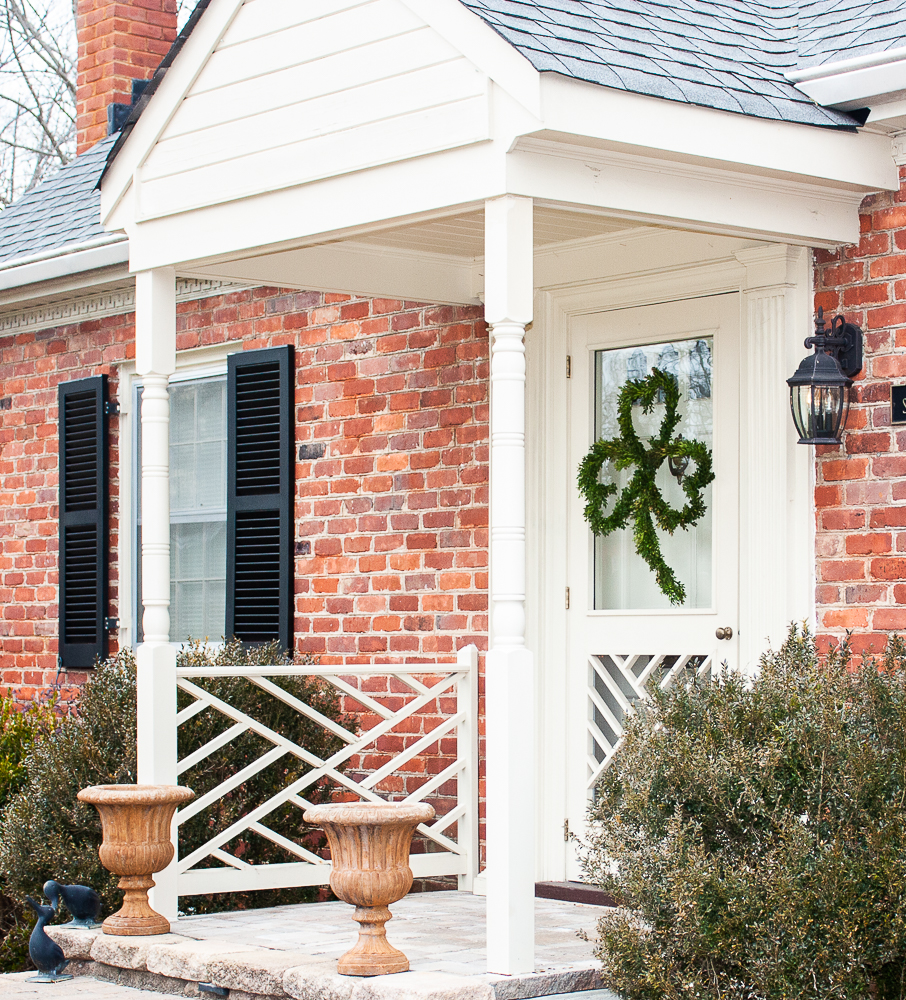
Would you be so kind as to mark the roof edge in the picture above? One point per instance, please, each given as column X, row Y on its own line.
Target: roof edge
column 63, row 250
column 79, row 260
column 153, row 84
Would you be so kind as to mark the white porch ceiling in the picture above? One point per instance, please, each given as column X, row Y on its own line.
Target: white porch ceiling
column 436, row 259
column 463, row 235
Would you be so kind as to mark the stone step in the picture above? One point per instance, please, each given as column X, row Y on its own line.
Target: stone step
column 176, row 964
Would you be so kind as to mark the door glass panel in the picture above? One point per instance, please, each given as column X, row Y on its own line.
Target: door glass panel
column 622, row 579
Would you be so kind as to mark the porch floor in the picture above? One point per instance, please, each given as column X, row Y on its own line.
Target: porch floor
column 292, row 951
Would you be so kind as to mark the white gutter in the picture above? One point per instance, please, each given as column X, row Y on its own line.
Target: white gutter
column 103, row 251
column 839, row 66
column 863, row 81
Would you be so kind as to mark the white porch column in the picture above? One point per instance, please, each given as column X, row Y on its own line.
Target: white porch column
column 509, row 684
column 155, row 360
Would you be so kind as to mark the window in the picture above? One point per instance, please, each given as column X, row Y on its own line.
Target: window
column 198, row 509
column 231, row 488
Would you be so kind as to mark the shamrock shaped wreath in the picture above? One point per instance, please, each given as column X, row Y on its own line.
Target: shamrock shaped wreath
column 641, row 500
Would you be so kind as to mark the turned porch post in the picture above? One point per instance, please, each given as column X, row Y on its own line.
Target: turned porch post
column 155, row 360
column 509, row 683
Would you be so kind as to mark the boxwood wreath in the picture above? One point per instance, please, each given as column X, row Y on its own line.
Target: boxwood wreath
column 641, row 501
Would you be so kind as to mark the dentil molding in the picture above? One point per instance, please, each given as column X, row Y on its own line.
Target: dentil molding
column 110, row 303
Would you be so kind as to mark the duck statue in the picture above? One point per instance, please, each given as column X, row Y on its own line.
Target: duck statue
column 82, row 902
column 46, row 954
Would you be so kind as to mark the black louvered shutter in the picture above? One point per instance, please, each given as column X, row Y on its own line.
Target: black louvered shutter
column 260, row 467
column 83, row 521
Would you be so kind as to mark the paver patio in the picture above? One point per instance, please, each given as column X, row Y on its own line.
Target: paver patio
column 438, row 931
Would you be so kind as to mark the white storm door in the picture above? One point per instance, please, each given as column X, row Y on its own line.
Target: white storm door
column 624, row 634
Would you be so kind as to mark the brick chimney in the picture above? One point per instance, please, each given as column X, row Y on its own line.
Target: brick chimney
column 118, row 42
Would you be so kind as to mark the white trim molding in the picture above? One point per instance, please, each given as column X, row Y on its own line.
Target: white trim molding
column 634, row 269
column 898, row 146
column 776, row 562
column 64, row 312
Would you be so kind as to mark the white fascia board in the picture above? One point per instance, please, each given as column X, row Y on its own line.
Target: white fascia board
column 890, row 114
column 482, row 46
column 358, row 269
column 863, row 81
column 858, row 160
column 650, row 190
column 63, row 263
column 335, row 208
column 165, row 102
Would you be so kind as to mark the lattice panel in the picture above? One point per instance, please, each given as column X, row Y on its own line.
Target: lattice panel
column 615, row 683
column 410, row 707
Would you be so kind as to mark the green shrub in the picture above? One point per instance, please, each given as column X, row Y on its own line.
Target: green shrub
column 755, row 832
column 19, row 729
column 45, row 832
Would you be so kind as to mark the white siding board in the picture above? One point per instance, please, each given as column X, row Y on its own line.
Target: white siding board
column 377, row 143
column 301, row 90
column 433, row 86
column 257, row 18
column 342, row 70
column 347, row 29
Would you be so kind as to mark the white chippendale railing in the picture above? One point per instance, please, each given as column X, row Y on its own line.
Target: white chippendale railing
column 615, row 683
column 419, row 686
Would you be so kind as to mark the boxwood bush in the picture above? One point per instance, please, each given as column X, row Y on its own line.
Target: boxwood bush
column 754, row 830
column 45, row 832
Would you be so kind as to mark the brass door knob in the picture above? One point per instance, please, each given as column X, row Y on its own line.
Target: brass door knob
column 724, row 633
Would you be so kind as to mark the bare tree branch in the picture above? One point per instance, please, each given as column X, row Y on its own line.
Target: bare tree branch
column 37, row 92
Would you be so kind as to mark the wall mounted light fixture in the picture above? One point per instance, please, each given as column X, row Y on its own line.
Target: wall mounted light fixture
column 819, row 391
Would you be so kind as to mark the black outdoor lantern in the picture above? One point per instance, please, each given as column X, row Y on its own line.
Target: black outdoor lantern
column 819, row 391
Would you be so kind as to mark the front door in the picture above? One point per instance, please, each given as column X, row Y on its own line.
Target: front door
column 625, row 635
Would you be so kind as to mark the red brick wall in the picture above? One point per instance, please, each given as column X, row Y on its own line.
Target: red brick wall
column 860, row 492
column 391, row 487
column 117, row 42
column 392, row 477
column 31, row 367
column 391, row 482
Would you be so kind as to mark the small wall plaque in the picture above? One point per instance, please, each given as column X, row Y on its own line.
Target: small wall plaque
column 898, row 404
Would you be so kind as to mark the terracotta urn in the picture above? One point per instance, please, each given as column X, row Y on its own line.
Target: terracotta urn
column 369, row 849
column 136, row 823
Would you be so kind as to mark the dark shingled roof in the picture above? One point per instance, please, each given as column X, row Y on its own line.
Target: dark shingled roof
column 730, row 55
column 831, row 30
column 63, row 210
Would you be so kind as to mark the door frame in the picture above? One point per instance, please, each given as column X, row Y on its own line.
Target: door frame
column 776, row 476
